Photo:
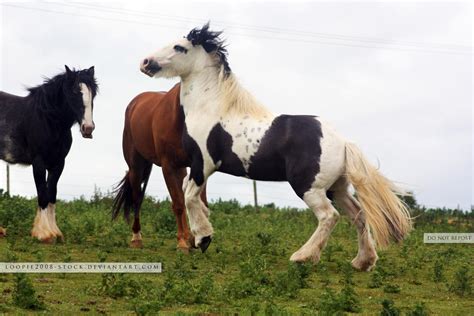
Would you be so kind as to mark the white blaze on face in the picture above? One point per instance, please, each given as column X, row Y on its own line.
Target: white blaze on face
column 87, row 100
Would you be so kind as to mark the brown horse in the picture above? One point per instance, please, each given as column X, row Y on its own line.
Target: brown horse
column 153, row 135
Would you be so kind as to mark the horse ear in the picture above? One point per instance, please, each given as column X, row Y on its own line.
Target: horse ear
column 90, row 71
column 68, row 71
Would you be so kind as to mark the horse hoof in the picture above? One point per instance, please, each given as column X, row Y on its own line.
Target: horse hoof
column 184, row 250
column 192, row 242
column 364, row 265
column 136, row 244
column 60, row 238
column 205, row 242
column 47, row 241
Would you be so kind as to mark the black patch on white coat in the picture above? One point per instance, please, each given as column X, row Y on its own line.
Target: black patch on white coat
column 194, row 153
column 289, row 150
column 219, row 146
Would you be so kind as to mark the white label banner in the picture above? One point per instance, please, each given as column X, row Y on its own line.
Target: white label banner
column 448, row 238
column 80, row 267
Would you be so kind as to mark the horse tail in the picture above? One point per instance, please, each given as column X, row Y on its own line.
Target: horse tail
column 124, row 194
column 388, row 217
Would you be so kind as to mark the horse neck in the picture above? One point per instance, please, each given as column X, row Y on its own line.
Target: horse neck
column 200, row 91
column 211, row 93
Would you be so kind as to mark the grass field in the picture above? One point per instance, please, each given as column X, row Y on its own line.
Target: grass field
column 245, row 270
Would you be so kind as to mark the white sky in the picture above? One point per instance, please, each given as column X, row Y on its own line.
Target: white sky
column 396, row 78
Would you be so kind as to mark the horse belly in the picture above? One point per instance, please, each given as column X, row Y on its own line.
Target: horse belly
column 271, row 168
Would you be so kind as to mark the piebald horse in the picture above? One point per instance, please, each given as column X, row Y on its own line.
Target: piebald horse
column 36, row 130
column 227, row 130
column 152, row 134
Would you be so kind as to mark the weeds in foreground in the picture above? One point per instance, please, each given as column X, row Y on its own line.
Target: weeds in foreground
column 461, row 285
column 389, row 309
column 24, row 295
column 344, row 301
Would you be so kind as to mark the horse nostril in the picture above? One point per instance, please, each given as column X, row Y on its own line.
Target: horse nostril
column 145, row 62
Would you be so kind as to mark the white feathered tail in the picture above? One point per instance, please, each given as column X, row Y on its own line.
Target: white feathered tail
column 387, row 216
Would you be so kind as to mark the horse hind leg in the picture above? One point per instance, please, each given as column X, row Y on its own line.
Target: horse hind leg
column 136, row 241
column 327, row 218
column 366, row 255
column 138, row 176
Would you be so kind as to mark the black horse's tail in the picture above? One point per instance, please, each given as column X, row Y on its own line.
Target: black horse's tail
column 124, row 194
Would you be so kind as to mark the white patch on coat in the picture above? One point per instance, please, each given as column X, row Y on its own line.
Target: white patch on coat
column 247, row 133
column 332, row 160
column 87, row 100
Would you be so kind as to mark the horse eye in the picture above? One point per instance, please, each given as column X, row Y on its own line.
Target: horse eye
column 180, row 49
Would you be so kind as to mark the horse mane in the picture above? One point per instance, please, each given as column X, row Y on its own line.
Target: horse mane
column 55, row 83
column 212, row 43
column 238, row 100
column 47, row 93
column 47, row 96
column 234, row 98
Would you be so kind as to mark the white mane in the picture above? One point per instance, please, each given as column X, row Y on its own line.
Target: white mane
column 237, row 100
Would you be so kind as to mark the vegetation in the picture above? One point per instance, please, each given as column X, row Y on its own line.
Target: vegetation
column 246, row 269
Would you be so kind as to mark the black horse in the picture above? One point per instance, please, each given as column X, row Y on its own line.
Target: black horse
column 36, row 130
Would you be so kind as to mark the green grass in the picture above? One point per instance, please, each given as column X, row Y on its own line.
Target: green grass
column 245, row 270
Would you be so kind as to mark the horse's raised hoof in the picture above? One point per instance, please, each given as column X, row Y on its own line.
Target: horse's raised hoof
column 3, row 232
column 205, row 242
column 138, row 244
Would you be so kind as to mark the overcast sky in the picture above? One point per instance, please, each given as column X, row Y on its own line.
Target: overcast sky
column 395, row 78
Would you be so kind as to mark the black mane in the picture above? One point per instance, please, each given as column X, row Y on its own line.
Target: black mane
column 51, row 96
column 211, row 42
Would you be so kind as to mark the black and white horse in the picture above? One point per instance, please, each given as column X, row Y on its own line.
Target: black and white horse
column 36, row 130
column 227, row 130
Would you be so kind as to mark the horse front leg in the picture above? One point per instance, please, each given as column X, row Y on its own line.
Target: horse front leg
column 53, row 177
column 41, row 227
column 198, row 212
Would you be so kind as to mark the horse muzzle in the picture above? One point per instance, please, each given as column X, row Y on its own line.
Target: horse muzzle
column 149, row 67
column 87, row 129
